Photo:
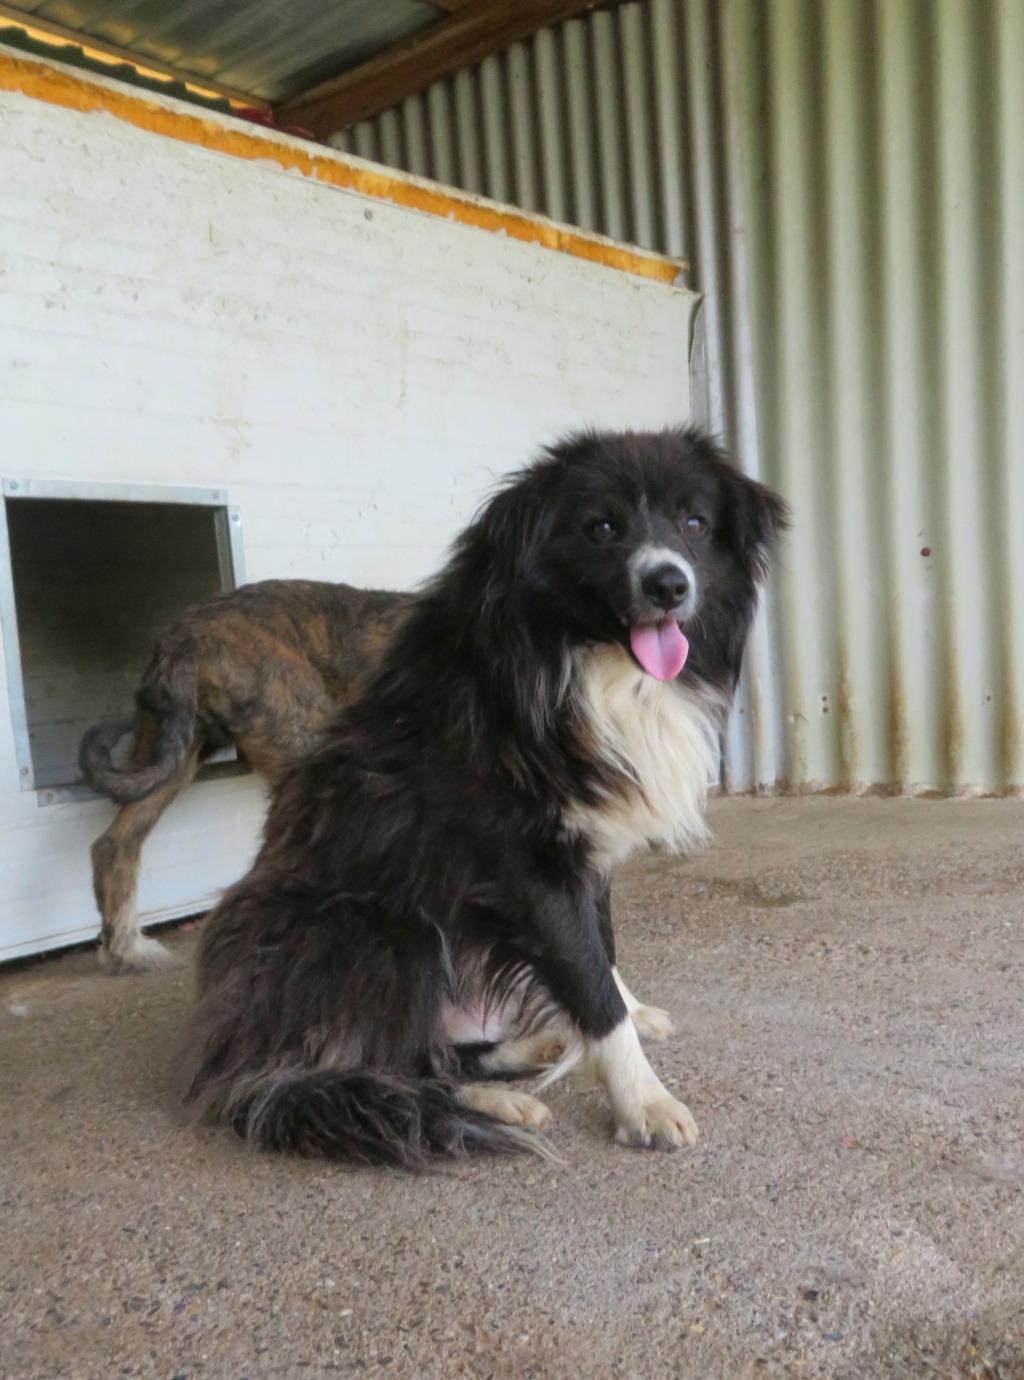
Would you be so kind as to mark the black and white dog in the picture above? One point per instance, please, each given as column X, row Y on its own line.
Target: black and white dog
column 553, row 703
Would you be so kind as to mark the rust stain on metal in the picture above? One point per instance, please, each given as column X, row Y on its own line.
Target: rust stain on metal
column 1009, row 728
column 847, row 732
column 44, row 83
column 952, row 724
column 896, row 711
column 796, row 775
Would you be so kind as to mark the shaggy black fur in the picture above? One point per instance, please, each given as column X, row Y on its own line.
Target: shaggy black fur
column 422, row 856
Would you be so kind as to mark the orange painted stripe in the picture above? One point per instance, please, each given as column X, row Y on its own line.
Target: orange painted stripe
column 42, row 82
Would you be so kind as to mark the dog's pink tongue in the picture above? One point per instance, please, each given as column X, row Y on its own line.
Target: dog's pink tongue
column 660, row 648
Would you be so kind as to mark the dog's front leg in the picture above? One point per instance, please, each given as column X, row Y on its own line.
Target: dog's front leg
column 581, row 977
column 645, row 1111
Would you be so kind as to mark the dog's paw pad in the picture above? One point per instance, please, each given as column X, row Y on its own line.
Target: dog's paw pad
column 537, row 1051
column 548, row 1046
column 665, row 1124
column 504, row 1104
column 528, row 1111
column 653, row 1023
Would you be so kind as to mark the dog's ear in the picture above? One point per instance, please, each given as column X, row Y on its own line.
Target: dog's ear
column 500, row 555
column 755, row 514
column 514, row 521
column 761, row 516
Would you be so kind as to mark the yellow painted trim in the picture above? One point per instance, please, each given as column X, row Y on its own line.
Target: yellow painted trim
column 42, row 82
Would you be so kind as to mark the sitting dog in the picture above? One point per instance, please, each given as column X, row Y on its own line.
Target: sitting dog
column 265, row 668
column 551, row 703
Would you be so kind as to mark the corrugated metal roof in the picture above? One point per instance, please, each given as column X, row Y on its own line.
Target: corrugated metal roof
column 270, row 49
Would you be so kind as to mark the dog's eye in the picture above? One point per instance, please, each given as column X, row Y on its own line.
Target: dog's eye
column 696, row 525
column 602, row 530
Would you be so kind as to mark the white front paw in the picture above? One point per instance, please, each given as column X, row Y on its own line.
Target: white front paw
column 661, row 1123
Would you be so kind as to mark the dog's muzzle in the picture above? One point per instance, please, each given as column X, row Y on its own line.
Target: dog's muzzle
column 663, row 582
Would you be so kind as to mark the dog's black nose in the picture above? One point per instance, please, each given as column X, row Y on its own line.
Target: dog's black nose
column 666, row 585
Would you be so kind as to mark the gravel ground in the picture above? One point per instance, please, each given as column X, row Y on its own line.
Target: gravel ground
column 847, row 981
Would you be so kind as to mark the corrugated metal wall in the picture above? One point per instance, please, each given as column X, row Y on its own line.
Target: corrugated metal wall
column 847, row 179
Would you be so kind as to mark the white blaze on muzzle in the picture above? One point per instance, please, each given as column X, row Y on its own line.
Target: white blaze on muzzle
column 660, row 647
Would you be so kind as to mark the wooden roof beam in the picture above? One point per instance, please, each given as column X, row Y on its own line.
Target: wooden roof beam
column 471, row 33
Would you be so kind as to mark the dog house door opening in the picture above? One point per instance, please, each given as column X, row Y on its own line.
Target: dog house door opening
column 93, row 582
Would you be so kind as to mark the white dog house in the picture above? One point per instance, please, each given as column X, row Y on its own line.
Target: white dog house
column 226, row 354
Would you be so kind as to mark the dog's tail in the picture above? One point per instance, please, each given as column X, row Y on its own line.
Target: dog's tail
column 364, row 1117
column 167, row 698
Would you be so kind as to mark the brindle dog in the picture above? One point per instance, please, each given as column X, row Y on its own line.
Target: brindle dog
column 264, row 668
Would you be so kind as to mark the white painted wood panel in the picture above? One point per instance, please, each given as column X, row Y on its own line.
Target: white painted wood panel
column 353, row 375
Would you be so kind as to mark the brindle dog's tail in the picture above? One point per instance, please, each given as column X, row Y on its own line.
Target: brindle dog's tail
column 167, row 703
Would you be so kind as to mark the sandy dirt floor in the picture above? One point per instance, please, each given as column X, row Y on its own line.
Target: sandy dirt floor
column 848, row 983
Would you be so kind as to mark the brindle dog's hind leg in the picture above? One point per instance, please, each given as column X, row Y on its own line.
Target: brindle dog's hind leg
column 115, row 867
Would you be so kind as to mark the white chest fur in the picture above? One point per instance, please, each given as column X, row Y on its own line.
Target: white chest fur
column 662, row 739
